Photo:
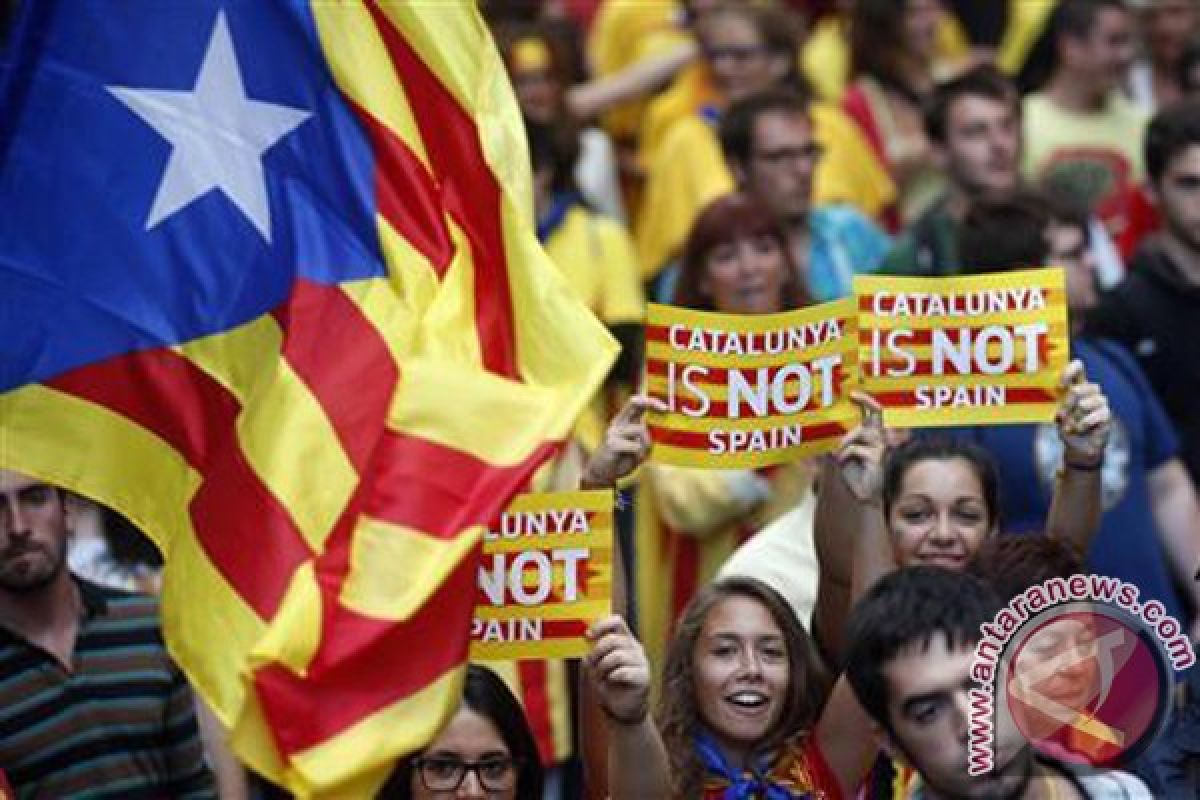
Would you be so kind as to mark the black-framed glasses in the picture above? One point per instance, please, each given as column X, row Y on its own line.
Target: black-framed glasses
column 737, row 53
column 444, row 774
column 807, row 154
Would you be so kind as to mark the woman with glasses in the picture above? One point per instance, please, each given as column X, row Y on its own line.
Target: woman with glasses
column 486, row 750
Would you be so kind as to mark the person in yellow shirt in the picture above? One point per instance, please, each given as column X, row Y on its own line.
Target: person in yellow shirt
column 746, row 49
column 689, row 521
column 627, row 32
column 596, row 255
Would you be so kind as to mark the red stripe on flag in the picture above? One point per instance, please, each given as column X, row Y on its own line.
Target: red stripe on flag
column 907, row 398
column 341, row 357
column 440, row 490
column 428, row 487
column 470, row 193
column 407, row 195
column 245, row 531
column 364, row 665
column 534, row 678
column 697, row 440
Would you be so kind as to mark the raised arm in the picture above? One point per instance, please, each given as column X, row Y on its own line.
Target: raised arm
column 1084, row 421
column 638, row 768
column 625, row 446
column 850, row 531
column 597, row 96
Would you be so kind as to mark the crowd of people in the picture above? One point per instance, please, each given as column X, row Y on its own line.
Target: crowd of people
column 804, row 630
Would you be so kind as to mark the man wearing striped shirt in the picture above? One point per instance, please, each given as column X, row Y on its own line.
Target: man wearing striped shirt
column 90, row 702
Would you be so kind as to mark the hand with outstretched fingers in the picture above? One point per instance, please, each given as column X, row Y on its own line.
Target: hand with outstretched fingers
column 859, row 455
column 1084, row 419
column 626, row 444
column 619, row 671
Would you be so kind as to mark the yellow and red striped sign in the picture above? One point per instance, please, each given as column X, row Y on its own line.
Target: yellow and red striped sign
column 545, row 576
column 750, row 391
column 980, row 349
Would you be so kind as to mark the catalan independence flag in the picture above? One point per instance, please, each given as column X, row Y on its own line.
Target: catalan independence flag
column 270, row 288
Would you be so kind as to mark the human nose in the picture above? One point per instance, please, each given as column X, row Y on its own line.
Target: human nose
column 12, row 516
column 471, row 785
column 943, row 529
column 750, row 664
column 962, row 716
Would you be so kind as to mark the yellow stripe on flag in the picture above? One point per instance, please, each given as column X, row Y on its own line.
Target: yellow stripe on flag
column 363, row 69
column 382, row 551
column 419, row 409
column 86, row 448
column 273, row 398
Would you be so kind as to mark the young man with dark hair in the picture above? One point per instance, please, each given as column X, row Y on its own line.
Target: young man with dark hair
column 769, row 144
column 90, row 702
column 974, row 125
column 1080, row 131
column 912, row 641
column 1156, row 311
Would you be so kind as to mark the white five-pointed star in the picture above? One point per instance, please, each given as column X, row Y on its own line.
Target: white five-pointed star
column 217, row 135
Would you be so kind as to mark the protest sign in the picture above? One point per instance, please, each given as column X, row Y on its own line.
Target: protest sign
column 750, row 391
column 978, row 349
column 545, row 576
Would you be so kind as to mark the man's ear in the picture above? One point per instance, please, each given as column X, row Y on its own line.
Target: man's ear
column 1153, row 195
column 740, row 173
column 888, row 745
column 71, row 505
column 941, row 160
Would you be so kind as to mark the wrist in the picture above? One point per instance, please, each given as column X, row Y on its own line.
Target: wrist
column 1078, row 462
column 631, row 720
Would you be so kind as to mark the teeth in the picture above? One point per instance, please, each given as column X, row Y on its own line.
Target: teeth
column 751, row 699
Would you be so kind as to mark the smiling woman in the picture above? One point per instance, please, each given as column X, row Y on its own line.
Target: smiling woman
column 741, row 713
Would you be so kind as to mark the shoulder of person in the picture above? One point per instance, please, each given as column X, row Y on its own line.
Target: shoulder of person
column 1114, row 785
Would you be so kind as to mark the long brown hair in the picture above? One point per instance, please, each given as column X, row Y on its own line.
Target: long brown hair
column 732, row 216
column 877, row 43
column 679, row 714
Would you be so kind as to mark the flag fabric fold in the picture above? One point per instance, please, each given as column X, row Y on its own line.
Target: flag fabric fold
column 272, row 291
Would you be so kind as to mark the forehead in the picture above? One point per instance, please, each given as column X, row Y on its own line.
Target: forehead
column 1186, row 161
column 1063, row 629
column 729, row 28
column 941, row 477
column 1064, row 235
column 468, row 734
column 925, row 668
column 15, row 481
column 782, row 129
column 1110, row 21
column 738, row 615
column 965, row 109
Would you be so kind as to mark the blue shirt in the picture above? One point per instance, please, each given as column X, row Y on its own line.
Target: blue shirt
column 843, row 243
column 1128, row 545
